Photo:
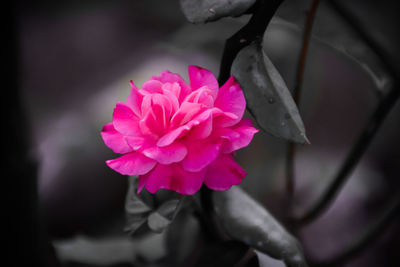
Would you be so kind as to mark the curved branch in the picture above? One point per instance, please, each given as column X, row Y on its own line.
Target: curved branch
column 290, row 176
column 354, row 156
column 374, row 122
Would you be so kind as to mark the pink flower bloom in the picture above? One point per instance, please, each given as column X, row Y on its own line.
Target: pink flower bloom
column 178, row 136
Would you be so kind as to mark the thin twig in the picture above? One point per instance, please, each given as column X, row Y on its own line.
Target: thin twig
column 290, row 176
column 374, row 122
column 367, row 236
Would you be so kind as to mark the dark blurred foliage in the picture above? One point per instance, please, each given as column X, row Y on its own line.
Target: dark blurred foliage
column 75, row 60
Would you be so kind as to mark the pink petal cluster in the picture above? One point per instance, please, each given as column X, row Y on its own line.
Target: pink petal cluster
column 178, row 136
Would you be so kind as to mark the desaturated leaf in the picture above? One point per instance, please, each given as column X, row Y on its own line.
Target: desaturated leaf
column 157, row 222
column 266, row 261
column 163, row 216
column 142, row 208
column 169, row 208
column 227, row 253
column 136, row 209
column 246, row 220
column 210, row 10
column 267, row 95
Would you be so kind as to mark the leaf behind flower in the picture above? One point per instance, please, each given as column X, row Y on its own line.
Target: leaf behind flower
column 141, row 208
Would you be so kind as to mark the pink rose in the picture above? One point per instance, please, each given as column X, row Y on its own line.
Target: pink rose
column 177, row 136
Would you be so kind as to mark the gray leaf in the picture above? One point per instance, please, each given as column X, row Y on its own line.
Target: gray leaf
column 164, row 215
column 157, row 222
column 246, row 220
column 136, row 208
column 169, row 208
column 210, row 10
column 267, row 95
column 143, row 208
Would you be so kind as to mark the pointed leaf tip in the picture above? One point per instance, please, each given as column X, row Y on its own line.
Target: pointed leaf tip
column 267, row 95
column 246, row 220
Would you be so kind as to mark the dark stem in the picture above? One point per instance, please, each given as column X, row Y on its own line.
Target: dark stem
column 204, row 214
column 253, row 30
column 263, row 11
column 367, row 236
column 374, row 122
column 291, row 153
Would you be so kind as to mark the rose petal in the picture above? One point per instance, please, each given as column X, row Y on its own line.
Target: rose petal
column 168, row 154
column 152, row 87
column 172, row 177
column 135, row 142
column 231, row 99
column 125, row 121
column 114, row 140
column 172, row 94
column 133, row 163
column 242, row 136
column 150, row 124
column 223, row 173
column 168, row 77
column 203, row 95
column 162, row 108
column 157, row 110
column 223, row 119
column 203, row 129
column 201, row 77
column 185, row 113
column 134, row 100
column 200, row 154
column 171, row 136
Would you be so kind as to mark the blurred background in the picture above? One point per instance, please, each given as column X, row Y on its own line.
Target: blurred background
column 75, row 61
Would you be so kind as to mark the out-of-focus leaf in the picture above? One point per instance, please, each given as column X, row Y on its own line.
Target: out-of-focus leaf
column 211, row 10
column 157, row 222
column 137, row 210
column 227, row 253
column 141, row 208
column 246, row 220
column 267, row 95
column 163, row 216
column 266, row 261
